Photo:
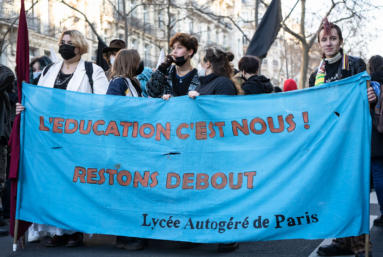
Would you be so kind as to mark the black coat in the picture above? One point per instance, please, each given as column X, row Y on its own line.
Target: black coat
column 357, row 65
column 216, row 85
column 6, row 84
column 376, row 137
column 257, row 85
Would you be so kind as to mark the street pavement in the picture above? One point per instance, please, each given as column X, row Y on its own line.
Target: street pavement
column 103, row 245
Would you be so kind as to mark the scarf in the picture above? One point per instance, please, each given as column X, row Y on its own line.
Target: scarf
column 131, row 91
column 320, row 78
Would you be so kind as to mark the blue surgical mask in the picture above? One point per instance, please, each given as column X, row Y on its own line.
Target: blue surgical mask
column 112, row 60
column 36, row 74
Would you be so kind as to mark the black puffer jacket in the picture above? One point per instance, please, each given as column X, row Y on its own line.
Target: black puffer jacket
column 357, row 65
column 6, row 84
column 257, row 85
column 376, row 137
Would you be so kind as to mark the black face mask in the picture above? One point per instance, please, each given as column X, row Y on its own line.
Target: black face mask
column 180, row 61
column 67, row 51
column 140, row 68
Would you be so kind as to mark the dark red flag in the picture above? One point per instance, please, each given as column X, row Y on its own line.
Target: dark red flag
column 22, row 70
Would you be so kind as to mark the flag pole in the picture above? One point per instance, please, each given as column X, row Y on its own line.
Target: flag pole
column 15, row 235
column 367, row 237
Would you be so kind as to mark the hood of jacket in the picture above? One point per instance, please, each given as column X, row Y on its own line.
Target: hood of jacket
column 258, row 84
column 377, row 76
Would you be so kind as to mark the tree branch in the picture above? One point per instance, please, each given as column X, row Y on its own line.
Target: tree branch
column 9, row 28
column 83, row 14
column 296, row 35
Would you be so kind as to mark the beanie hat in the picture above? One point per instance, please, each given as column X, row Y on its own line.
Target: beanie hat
column 289, row 85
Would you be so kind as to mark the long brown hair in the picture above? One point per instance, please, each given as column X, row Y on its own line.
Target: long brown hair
column 125, row 65
column 221, row 63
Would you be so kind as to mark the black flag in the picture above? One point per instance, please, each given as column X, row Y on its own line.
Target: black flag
column 100, row 61
column 267, row 31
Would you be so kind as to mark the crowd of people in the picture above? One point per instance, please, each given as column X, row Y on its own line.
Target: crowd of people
column 177, row 76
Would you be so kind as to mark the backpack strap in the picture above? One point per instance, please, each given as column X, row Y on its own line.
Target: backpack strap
column 47, row 68
column 89, row 73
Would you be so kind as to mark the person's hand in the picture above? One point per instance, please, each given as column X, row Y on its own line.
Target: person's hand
column 19, row 108
column 169, row 59
column 166, row 97
column 193, row 94
column 154, row 70
column 371, row 95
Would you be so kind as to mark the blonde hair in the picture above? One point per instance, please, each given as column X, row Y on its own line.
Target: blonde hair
column 78, row 40
column 125, row 65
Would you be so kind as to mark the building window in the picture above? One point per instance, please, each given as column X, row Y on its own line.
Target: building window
column 208, row 35
column 239, row 47
column 133, row 5
column 275, row 63
column 244, row 40
column 47, row 53
column 33, row 53
column 146, row 14
column 217, row 38
column 224, row 41
column 190, row 26
column 121, row 36
column 119, row 5
column 134, row 44
column 147, row 55
column 264, row 61
column 160, row 20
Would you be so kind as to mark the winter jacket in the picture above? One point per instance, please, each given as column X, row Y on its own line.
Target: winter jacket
column 144, row 77
column 357, row 65
column 119, row 86
column 257, row 85
column 161, row 82
column 376, row 137
column 80, row 81
column 6, row 84
column 216, row 85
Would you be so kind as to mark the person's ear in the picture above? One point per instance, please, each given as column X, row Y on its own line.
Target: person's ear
column 190, row 52
column 208, row 65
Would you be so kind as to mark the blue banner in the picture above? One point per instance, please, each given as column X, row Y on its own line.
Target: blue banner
column 211, row 169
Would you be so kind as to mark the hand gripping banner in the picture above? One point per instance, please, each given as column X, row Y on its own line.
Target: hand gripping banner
column 211, row 169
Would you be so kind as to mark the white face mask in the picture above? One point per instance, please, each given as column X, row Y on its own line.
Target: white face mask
column 201, row 71
column 112, row 60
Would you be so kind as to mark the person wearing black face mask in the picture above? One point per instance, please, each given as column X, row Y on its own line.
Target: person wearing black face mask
column 70, row 74
column 175, row 80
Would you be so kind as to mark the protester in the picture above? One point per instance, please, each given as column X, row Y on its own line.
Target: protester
column 217, row 74
column 74, row 74
column 175, row 80
column 109, row 53
column 126, row 67
column 376, row 68
column 6, row 84
column 143, row 78
column 337, row 65
column 289, row 85
column 217, row 78
column 36, row 67
column 254, row 84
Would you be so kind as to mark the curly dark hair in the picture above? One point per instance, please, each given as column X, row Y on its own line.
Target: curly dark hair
column 186, row 40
